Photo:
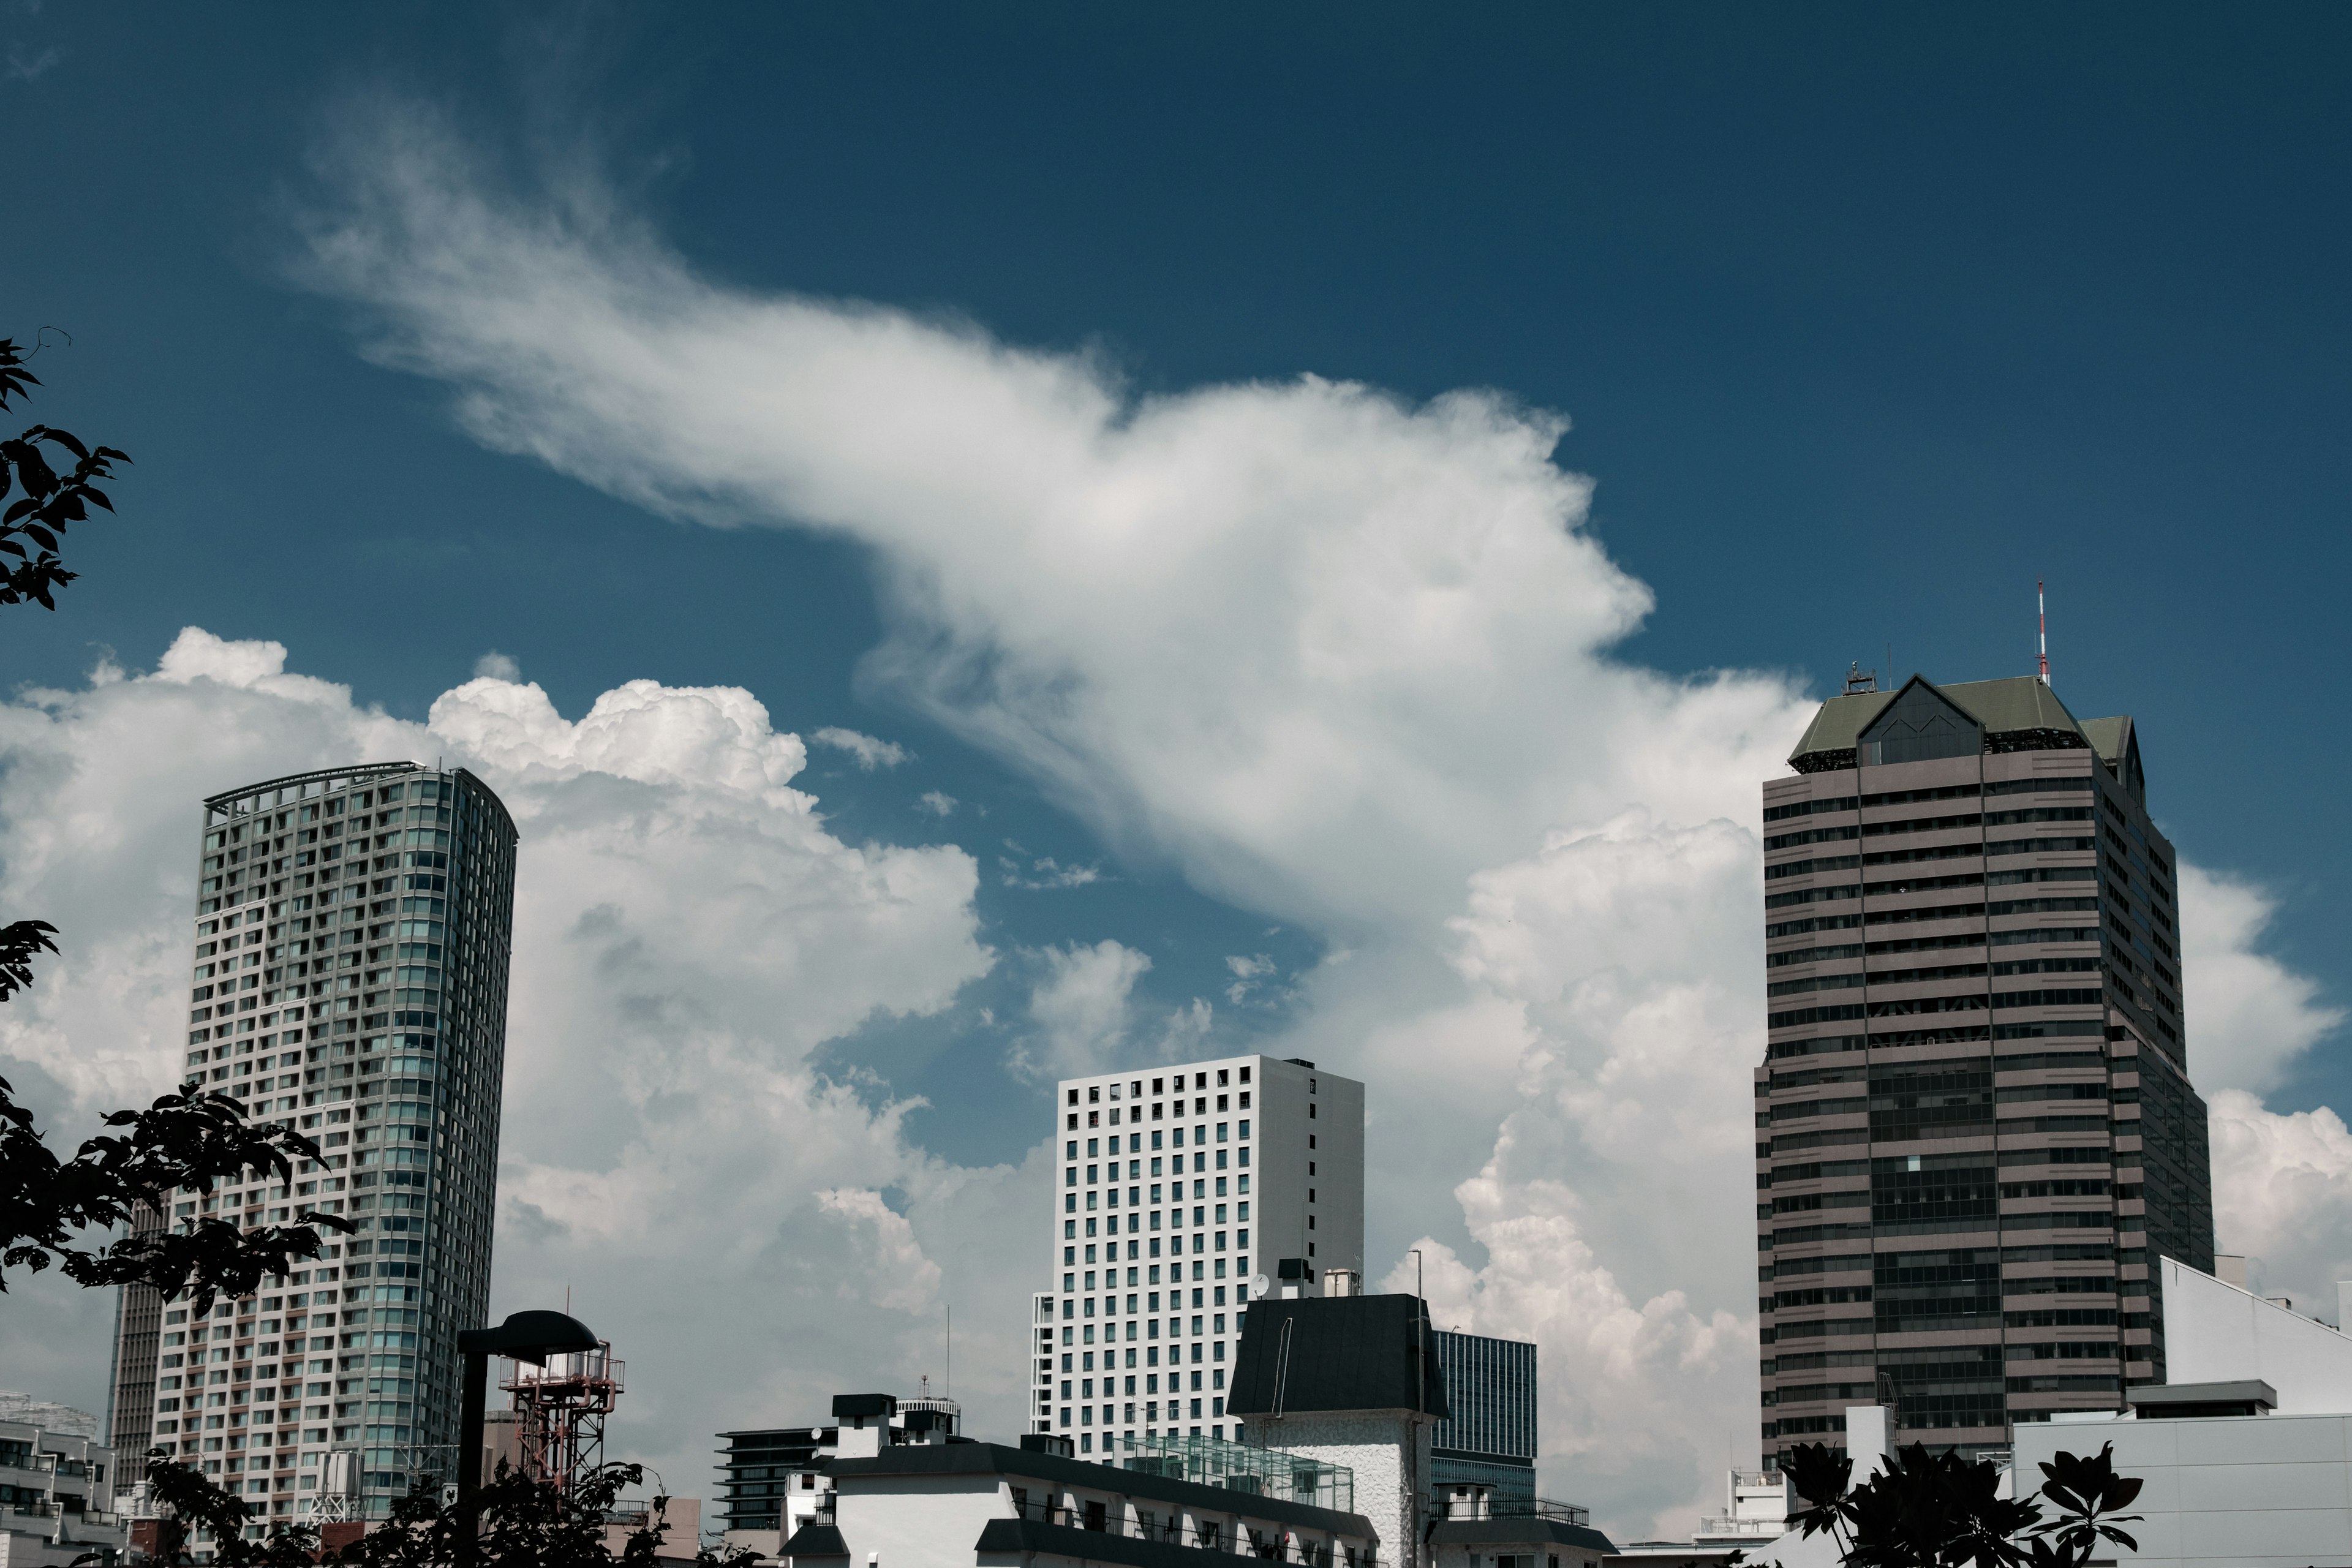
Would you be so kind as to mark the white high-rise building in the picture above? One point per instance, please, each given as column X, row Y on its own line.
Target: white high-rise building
column 352, row 937
column 1176, row 1187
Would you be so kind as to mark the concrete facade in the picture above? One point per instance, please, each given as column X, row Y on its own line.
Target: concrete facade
column 2221, row 1333
column 57, row 1490
column 2261, row 1491
column 1976, row 1132
column 1389, row 1451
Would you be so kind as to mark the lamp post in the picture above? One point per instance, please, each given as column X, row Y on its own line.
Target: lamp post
column 524, row 1336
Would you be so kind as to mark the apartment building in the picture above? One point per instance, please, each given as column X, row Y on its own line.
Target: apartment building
column 1178, row 1189
column 350, row 942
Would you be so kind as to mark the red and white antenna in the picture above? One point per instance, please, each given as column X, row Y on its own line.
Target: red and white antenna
column 2042, row 622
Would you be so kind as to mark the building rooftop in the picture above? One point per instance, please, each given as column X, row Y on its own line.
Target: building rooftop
column 2017, row 706
column 995, row 1458
column 2019, row 702
column 1337, row 1352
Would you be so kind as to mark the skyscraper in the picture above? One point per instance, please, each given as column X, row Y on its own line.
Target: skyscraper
column 1489, row 1436
column 1976, row 1132
column 1154, row 1240
column 352, row 931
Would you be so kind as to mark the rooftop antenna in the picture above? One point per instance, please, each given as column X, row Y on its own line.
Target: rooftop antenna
column 2042, row 622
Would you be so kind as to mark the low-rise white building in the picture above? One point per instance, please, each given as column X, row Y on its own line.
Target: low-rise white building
column 911, row 1497
column 56, row 1494
column 2269, row 1483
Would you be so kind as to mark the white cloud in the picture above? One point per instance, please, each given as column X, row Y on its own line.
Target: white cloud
column 1247, row 973
column 687, row 932
column 497, row 666
column 1329, row 653
column 1079, row 1005
column 869, row 752
column 2253, row 1016
column 1334, row 656
column 938, row 802
column 1043, row 873
column 2283, row 1195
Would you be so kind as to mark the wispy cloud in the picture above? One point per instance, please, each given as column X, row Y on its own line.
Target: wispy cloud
column 1046, row 872
column 869, row 752
column 23, row 66
column 938, row 802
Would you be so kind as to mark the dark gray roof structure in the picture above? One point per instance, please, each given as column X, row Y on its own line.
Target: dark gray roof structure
column 1337, row 1352
column 814, row 1540
column 2245, row 1396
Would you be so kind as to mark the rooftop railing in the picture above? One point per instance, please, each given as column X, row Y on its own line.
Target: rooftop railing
column 1242, row 1467
column 1508, row 1505
column 1200, row 1535
column 1724, row 1524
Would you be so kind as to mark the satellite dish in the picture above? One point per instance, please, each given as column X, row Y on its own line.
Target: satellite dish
column 1259, row 1284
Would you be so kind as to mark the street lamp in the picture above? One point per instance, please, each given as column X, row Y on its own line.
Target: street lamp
column 524, row 1336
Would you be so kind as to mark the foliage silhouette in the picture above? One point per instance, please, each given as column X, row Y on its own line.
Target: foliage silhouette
column 1938, row 1510
column 525, row 1523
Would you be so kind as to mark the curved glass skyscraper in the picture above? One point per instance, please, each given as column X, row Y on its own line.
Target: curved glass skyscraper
column 352, row 937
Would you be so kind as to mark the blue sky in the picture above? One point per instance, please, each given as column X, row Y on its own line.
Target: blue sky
column 1864, row 318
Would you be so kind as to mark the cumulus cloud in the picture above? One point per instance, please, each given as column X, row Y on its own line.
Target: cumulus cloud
column 936, row 802
column 2254, row 1016
column 869, row 752
column 687, row 932
column 1332, row 655
column 497, row 666
column 1079, row 1005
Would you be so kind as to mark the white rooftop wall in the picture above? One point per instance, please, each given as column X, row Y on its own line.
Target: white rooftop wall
column 2216, row 1333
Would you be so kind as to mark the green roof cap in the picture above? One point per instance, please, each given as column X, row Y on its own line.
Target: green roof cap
column 2020, row 702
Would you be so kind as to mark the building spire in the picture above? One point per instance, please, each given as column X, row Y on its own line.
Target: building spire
column 2041, row 626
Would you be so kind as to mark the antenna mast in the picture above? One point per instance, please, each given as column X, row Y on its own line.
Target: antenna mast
column 2041, row 625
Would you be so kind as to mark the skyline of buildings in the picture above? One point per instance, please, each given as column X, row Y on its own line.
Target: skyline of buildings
column 1975, row 1123
column 353, row 929
column 1176, row 1186
column 1975, row 1126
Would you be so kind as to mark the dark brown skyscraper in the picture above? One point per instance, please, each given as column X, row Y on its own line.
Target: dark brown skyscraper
column 1975, row 1128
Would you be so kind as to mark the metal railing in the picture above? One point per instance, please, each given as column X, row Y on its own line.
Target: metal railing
column 1508, row 1505
column 1244, row 1467
column 1204, row 1534
column 1725, row 1524
column 28, row 1510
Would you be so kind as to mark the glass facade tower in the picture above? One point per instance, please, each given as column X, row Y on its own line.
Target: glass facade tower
column 1489, row 1437
column 1975, row 1130
column 352, row 939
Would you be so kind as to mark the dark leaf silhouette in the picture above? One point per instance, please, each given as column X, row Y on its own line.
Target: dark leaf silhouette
column 1938, row 1510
